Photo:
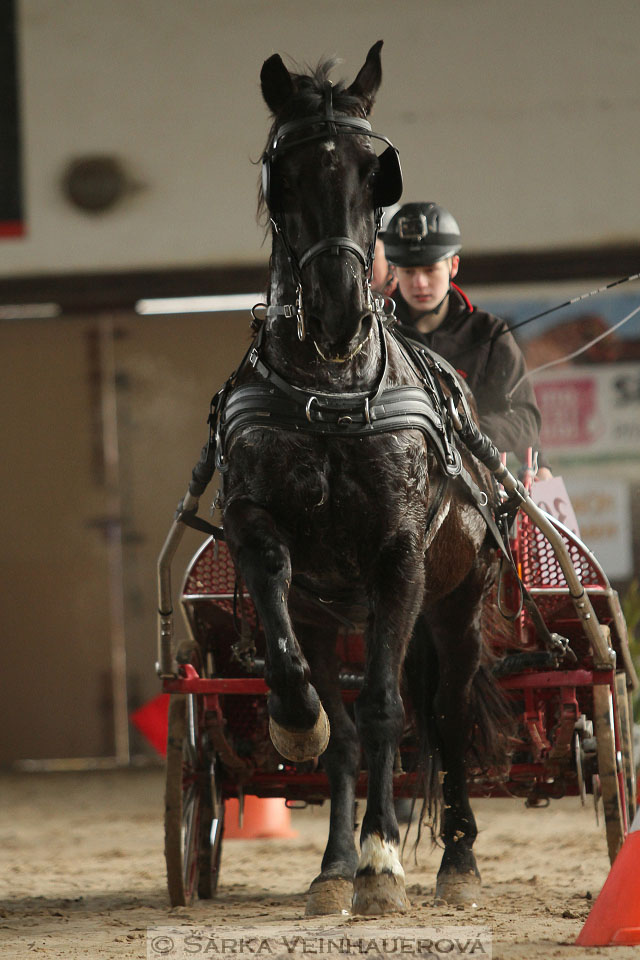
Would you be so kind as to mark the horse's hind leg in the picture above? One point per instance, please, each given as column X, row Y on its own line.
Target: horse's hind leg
column 457, row 636
column 332, row 890
column 298, row 723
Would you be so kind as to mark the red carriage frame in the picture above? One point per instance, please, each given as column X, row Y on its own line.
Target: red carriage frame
column 574, row 726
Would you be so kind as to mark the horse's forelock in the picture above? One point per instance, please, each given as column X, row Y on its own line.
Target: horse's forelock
column 310, row 87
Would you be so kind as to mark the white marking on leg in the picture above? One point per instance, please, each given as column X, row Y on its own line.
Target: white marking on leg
column 380, row 855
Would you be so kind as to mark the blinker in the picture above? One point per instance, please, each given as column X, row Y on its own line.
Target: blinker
column 388, row 182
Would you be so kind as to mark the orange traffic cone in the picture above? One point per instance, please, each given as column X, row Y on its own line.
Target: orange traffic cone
column 151, row 719
column 263, row 817
column 615, row 916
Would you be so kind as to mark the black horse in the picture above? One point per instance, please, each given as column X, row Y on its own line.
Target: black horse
column 320, row 503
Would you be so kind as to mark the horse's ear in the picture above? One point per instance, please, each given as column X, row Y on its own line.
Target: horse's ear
column 276, row 83
column 365, row 86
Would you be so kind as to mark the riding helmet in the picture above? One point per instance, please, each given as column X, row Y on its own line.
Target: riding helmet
column 420, row 234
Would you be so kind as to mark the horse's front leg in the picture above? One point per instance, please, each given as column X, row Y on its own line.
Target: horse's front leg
column 379, row 884
column 298, row 724
column 332, row 890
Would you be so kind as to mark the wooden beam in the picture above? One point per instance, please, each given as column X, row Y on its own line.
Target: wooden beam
column 91, row 292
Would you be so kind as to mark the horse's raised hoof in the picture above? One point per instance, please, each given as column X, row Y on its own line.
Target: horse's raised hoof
column 329, row 897
column 458, row 889
column 300, row 745
column 379, row 893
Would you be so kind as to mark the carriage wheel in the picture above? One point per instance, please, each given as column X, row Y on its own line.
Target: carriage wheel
column 604, row 729
column 626, row 743
column 212, row 825
column 192, row 859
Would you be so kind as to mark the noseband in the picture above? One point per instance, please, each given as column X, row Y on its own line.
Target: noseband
column 389, row 191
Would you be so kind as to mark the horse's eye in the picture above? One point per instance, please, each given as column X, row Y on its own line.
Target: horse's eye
column 370, row 175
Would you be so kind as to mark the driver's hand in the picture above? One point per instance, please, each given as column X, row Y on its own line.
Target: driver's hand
column 543, row 474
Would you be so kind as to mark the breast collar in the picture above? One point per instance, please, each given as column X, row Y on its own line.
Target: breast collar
column 275, row 403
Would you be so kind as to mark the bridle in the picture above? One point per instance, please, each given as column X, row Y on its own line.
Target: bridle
column 387, row 190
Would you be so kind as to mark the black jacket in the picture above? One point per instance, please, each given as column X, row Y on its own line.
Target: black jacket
column 491, row 367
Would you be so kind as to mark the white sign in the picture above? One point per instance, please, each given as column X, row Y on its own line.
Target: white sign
column 590, row 409
column 598, row 512
column 552, row 497
column 603, row 509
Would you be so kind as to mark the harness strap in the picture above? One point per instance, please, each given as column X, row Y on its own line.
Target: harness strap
column 286, row 310
column 398, row 408
column 333, row 245
column 190, row 519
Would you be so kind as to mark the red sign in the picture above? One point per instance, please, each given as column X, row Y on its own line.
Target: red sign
column 568, row 409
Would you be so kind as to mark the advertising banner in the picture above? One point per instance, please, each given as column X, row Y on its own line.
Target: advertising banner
column 590, row 410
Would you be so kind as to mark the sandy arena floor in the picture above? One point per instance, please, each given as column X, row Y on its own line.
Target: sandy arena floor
column 84, row 873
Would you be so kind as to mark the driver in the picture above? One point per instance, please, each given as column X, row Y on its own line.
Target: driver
column 422, row 244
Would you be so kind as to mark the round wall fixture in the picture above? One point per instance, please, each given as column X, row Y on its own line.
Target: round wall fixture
column 95, row 184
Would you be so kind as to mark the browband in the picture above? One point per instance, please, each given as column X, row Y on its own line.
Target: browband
column 351, row 124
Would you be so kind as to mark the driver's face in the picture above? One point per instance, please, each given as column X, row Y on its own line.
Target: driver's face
column 423, row 288
column 381, row 278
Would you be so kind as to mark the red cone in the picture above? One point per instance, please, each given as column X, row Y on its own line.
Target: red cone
column 615, row 916
column 152, row 720
column 263, row 817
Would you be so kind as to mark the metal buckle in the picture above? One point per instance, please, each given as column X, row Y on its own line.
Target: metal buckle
column 307, row 409
column 372, row 303
column 302, row 331
column 289, row 310
column 453, row 413
column 254, row 356
column 453, row 465
column 255, row 307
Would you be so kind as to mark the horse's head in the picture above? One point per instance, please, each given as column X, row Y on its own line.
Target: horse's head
column 324, row 187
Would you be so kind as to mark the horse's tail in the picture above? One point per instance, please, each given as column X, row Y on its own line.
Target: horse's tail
column 492, row 722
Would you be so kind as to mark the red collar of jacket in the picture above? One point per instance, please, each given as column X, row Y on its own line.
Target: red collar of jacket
column 470, row 307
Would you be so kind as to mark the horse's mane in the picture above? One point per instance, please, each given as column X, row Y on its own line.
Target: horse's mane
column 307, row 99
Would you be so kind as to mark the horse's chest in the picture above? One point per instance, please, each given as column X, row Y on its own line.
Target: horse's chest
column 310, row 484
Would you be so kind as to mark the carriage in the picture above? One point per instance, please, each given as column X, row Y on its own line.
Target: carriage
column 573, row 733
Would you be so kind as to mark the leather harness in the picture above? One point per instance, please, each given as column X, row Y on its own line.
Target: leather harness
column 276, row 403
